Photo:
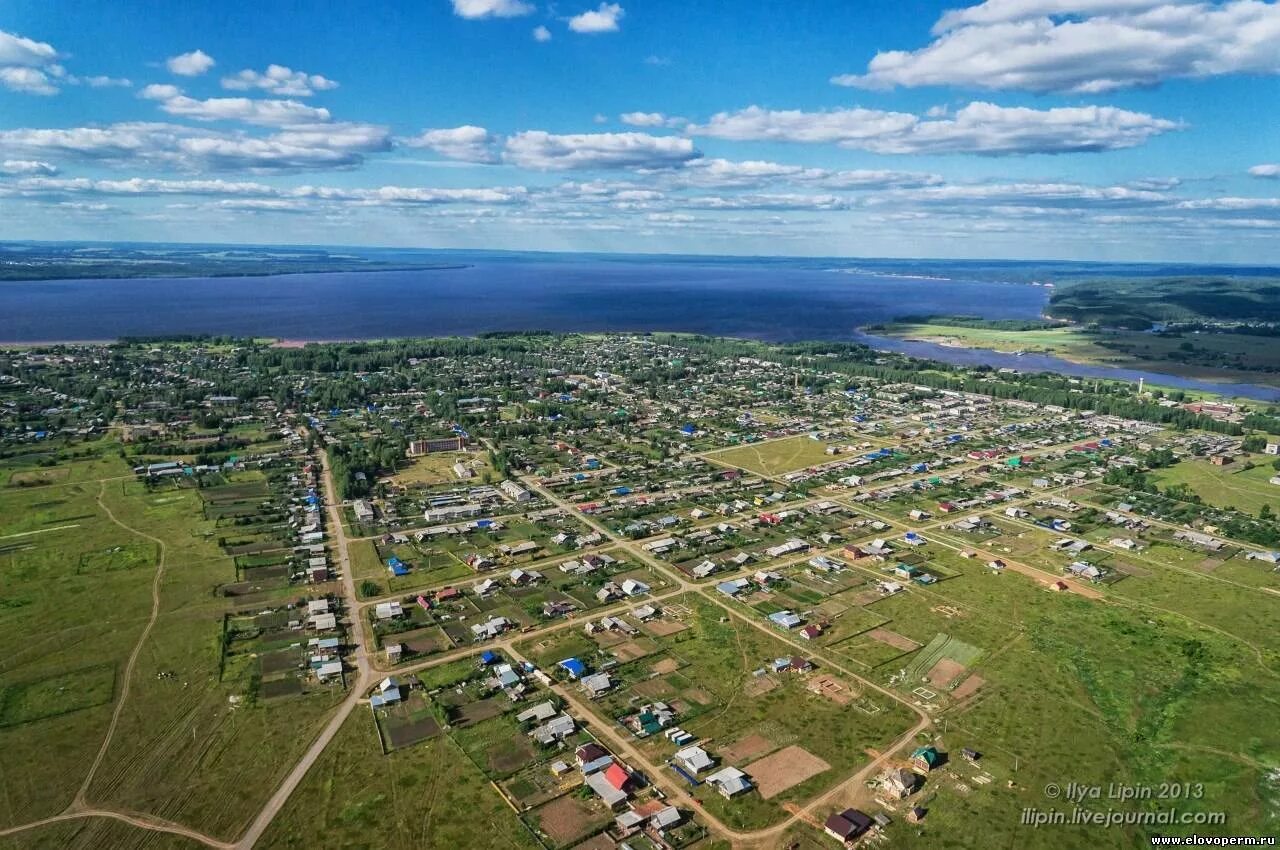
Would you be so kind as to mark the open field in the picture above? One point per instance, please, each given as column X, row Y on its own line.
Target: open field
column 356, row 797
column 1226, row 486
column 775, row 457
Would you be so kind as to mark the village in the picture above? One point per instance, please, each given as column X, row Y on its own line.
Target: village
column 648, row 594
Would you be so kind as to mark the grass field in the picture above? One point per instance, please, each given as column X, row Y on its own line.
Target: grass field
column 1226, row 486
column 181, row 749
column 774, row 457
column 425, row 795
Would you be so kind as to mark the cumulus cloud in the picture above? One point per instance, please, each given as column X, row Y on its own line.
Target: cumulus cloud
column 28, row 66
column 467, row 143
column 134, row 144
column 1267, row 170
column 191, row 64
column 602, row 19
column 541, row 33
column 491, row 8
column 13, row 167
column 279, row 80
column 981, row 128
column 160, row 91
column 1084, row 46
column 545, row 151
column 267, row 113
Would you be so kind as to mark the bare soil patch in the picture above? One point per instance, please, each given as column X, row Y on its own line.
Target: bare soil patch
column 663, row 628
column 565, row 819
column 786, row 768
column 944, row 672
column 968, row 687
column 893, row 639
column 665, row 666
column 746, row 749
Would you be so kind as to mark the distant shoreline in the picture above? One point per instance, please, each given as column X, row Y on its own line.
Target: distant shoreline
column 195, row 275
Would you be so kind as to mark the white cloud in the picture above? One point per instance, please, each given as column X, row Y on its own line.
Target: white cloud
column 102, row 82
column 1023, row 195
column 542, row 150
column 467, row 143
column 240, row 190
column 19, row 50
column 541, row 33
column 1268, row 170
column 16, row 167
column 491, row 8
column 28, row 66
column 723, row 173
column 133, row 144
column 160, row 91
column 981, row 128
column 279, row 80
column 652, row 119
column 26, row 80
column 769, row 202
column 268, row 113
column 602, row 19
column 1084, row 46
column 1231, row 204
column 191, row 64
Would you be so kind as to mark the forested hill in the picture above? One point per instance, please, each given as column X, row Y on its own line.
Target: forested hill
column 1141, row 302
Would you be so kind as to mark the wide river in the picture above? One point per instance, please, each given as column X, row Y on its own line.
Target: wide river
column 777, row 303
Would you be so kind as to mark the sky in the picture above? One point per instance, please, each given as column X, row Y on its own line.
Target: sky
column 1140, row 130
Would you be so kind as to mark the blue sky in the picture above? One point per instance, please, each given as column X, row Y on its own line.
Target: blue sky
column 1076, row 129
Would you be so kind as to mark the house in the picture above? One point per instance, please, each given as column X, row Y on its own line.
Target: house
column 363, row 510
column 926, row 758
column 611, row 796
column 785, row 619
column 791, row 664
column 898, row 783
column 597, row 684
column 575, row 668
column 916, row 814
column 847, row 825
column 730, row 782
column 733, row 587
column 328, row 670
column 645, row 613
column 811, row 631
column 631, row 587
column 490, row 629
column 694, row 759
column 394, row 652
column 388, row 610
column 556, row 729
column 541, row 712
column 514, row 491
column 592, row 757
column 387, row 693
column 324, row 622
